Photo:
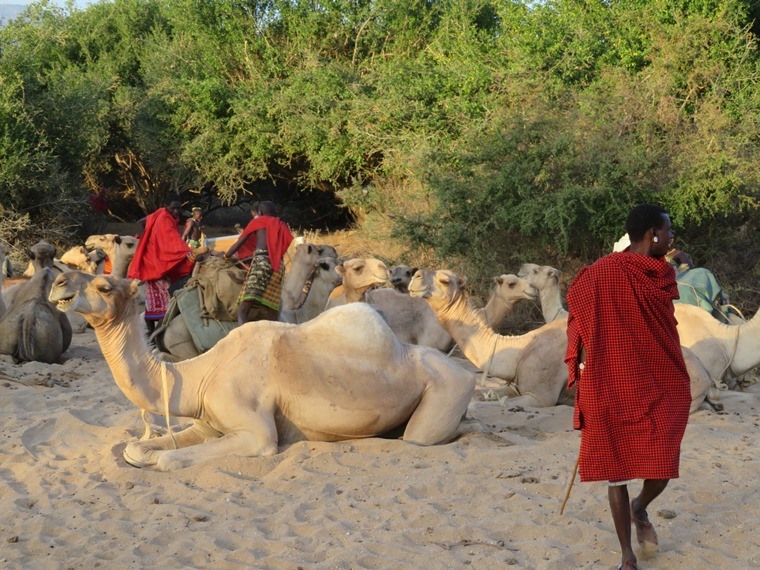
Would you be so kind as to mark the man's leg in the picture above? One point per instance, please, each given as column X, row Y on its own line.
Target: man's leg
column 621, row 516
column 243, row 308
column 650, row 491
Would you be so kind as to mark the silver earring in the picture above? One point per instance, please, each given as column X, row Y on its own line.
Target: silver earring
column 655, row 239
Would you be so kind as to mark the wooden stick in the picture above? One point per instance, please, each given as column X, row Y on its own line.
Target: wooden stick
column 570, row 484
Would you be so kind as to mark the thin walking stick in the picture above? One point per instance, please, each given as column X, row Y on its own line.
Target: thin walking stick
column 570, row 484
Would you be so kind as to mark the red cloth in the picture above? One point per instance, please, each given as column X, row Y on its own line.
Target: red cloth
column 161, row 251
column 278, row 239
column 633, row 396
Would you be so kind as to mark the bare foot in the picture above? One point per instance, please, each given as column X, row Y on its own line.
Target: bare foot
column 645, row 533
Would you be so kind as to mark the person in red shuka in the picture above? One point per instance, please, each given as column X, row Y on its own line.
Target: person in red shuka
column 624, row 359
column 267, row 238
column 161, row 258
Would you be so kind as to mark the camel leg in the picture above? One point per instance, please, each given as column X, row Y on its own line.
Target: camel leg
column 444, row 401
column 145, row 453
column 254, row 443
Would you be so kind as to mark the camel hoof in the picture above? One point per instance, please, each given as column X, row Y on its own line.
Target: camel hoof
column 132, row 461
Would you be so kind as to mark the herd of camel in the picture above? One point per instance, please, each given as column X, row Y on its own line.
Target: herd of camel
column 349, row 358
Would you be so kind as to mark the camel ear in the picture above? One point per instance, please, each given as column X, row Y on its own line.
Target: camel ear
column 309, row 248
column 498, row 280
column 133, row 286
column 30, row 253
column 462, row 283
column 117, row 240
column 340, row 270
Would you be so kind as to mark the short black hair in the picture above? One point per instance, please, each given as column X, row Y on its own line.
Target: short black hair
column 171, row 197
column 642, row 218
column 267, row 208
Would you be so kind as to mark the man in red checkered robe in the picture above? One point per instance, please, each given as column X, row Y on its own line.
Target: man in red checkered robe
column 624, row 359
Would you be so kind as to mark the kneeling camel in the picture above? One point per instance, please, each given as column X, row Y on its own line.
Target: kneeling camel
column 340, row 376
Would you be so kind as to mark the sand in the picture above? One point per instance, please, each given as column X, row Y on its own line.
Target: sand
column 487, row 500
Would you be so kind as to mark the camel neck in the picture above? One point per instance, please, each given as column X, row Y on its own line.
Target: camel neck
column 139, row 374
column 551, row 304
column 479, row 343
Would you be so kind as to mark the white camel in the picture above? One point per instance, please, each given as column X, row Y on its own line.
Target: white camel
column 340, row 376
column 305, row 258
column 532, row 364
column 727, row 351
column 546, row 280
column 509, row 290
column 322, row 281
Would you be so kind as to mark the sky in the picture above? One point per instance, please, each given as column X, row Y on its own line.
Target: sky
column 79, row 3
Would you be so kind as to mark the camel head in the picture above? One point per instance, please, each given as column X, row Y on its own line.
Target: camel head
column 401, row 275
column 100, row 299
column 360, row 275
column 312, row 253
column 511, row 288
column 106, row 242
column 42, row 255
column 440, row 289
column 541, row 276
column 79, row 258
column 326, row 269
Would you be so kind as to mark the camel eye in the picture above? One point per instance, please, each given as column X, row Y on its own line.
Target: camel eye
column 445, row 280
column 104, row 288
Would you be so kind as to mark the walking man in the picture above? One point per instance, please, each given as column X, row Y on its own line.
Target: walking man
column 624, row 358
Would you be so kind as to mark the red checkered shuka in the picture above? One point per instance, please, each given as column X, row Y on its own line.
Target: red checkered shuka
column 632, row 399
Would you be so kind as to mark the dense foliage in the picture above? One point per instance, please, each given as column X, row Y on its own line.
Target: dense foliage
column 487, row 131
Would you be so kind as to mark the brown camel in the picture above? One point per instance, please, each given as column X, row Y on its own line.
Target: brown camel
column 31, row 329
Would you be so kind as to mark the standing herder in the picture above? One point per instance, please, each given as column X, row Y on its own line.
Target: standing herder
column 161, row 258
column 624, row 358
column 270, row 237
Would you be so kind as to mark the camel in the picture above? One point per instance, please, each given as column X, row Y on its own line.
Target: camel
column 41, row 255
column 546, row 280
column 80, row 259
column 532, row 363
column 343, row 375
column 510, row 289
column 359, row 276
column 401, row 275
column 31, row 329
column 323, row 279
column 176, row 340
column 727, row 351
column 304, row 260
column 118, row 249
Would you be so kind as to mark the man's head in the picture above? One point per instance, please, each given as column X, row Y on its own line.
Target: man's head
column 173, row 204
column 197, row 213
column 650, row 223
column 266, row 208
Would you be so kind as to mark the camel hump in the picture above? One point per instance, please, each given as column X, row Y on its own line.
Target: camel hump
column 348, row 329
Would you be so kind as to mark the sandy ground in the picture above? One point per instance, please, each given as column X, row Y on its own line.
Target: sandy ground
column 487, row 500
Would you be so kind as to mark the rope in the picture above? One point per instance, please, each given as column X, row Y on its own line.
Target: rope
column 165, row 386
column 148, row 431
